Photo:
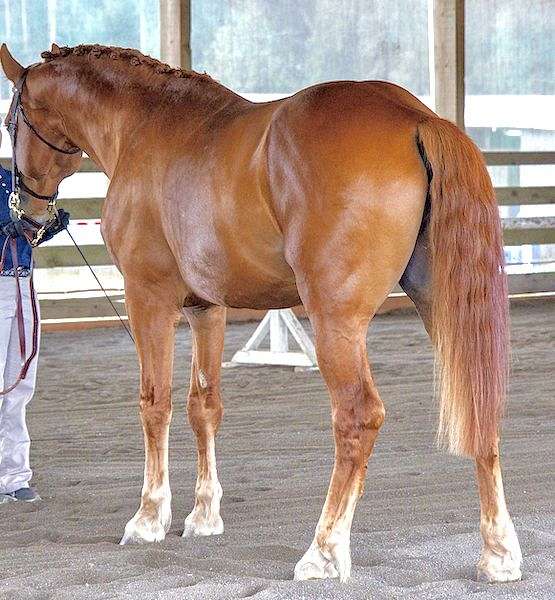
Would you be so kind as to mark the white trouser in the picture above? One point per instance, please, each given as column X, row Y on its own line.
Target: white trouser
column 15, row 471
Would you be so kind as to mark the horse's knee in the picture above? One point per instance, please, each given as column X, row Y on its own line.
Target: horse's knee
column 204, row 408
column 155, row 407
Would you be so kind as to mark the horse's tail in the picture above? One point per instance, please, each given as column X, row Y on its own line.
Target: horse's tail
column 469, row 290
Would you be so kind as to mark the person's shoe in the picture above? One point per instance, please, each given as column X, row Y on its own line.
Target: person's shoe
column 27, row 494
column 5, row 498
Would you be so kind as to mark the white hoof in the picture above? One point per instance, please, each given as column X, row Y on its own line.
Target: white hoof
column 320, row 564
column 144, row 530
column 205, row 517
column 501, row 558
column 493, row 568
column 197, row 525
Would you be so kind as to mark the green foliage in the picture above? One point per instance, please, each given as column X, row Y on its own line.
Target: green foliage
column 281, row 46
column 284, row 45
column 29, row 26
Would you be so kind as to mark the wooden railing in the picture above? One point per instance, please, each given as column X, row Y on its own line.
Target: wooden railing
column 526, row 230
column 517, row 231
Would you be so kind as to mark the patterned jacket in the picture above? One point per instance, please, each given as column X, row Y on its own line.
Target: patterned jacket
column 24, row 250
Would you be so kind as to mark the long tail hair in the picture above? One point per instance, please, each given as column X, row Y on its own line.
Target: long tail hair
column 469, row 290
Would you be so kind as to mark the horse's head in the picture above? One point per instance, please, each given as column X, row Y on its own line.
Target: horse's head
column 44, row 154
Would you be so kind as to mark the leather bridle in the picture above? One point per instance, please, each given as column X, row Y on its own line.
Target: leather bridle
column 22, row 222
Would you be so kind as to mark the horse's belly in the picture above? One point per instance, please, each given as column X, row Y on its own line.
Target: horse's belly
column 262, row 297
column 242, row 282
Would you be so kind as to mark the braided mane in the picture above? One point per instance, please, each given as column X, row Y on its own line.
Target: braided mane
column 131, row 56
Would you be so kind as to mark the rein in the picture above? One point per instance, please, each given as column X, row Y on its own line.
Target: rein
column 25, row 360
column 22, row 222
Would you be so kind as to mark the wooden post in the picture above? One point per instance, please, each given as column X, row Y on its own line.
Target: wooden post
column 175, row 33
column 448, row 56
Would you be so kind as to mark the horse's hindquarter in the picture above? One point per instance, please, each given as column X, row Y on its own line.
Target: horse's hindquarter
column 348, row 187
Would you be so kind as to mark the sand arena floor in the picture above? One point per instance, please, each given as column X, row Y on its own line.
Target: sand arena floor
column 415, row 534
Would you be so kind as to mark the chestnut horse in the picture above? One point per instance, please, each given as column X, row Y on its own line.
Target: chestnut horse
column 329, row 198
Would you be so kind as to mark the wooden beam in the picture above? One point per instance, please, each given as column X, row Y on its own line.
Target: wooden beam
column 79, row 323
column 67, row 256
column 73, row 307
column 518, row 231
column 82, row 208
column 520, row 237
column 525, row 195
column 448, row 18
column 87, row 165
column 91, row 208
column 521, row 290
column 175, row 33
column 494, row 158
column 525, row 283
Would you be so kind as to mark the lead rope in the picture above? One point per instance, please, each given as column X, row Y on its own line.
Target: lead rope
column 101, row 287
column 25, row 362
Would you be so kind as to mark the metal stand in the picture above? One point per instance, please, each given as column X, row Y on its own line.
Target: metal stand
column 278, row 324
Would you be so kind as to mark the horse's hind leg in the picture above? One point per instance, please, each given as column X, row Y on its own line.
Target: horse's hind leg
column 205, row 410
column 501, row 556
column 357, row 414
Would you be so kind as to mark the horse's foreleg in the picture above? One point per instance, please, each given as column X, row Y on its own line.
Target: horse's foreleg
column 358, row 414
column 153, row 324
column 204, row 409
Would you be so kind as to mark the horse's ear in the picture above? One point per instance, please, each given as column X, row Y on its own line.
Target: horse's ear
column 55, row 48
column 12, row 69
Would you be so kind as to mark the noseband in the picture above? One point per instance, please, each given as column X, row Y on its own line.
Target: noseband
column 20, row 220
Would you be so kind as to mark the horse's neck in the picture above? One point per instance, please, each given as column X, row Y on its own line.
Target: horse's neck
column 99, row 125
column 102, row 124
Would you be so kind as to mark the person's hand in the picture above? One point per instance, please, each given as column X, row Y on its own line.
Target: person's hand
column 9, row 230
column 62, row 221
